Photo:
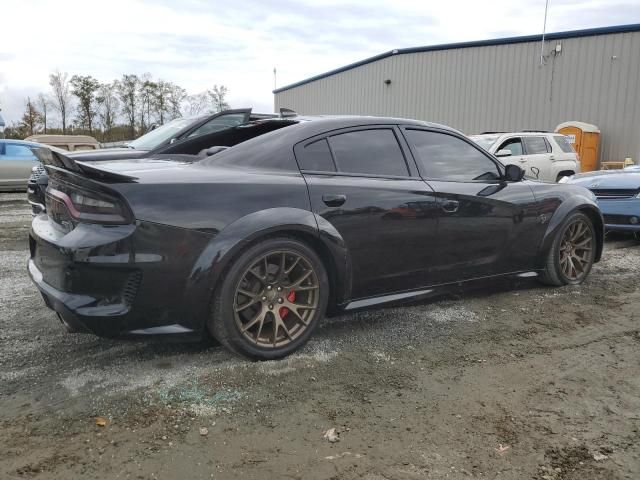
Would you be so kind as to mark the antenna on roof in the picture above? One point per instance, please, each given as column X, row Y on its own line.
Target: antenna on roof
column 544, row 31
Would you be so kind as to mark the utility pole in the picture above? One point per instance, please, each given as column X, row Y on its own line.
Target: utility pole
column 544, row 31
column 275, row 83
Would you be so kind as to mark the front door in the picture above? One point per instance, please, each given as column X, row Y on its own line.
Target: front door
column 361, row 183
column 486, row 225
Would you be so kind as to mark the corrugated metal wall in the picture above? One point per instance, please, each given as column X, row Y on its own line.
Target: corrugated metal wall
column 497, row 88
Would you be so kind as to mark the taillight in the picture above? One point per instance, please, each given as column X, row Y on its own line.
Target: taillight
column 91, row 207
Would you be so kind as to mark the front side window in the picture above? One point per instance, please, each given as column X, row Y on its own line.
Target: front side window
column 514, row 145
column 219, row 123
column 535, row 145
column 445, row 157
column 369, row 152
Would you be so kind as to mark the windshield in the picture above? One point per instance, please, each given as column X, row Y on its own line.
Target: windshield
column 485, row 141
column 151, row 140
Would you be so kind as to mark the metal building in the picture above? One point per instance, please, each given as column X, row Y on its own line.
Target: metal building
column 495, row 85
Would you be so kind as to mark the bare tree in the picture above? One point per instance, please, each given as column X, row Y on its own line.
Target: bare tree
column 85, row 89
column 44, row 103
column 127, row 89
column 218, row 96
column 107, row 106
column 197, row 103
column 146, row 93
column 31, row 118
column 61, row 96
column 175, row 98
column 161, row 100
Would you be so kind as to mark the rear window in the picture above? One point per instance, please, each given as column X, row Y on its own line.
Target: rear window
column 18, row 151
column 536, row 145
column 563, row 143
column 369, row 152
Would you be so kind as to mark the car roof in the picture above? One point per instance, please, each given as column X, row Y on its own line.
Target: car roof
column 330, row 122
column 21, row 142
column 528, row 133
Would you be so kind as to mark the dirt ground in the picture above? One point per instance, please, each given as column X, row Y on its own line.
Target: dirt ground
column 512, row 382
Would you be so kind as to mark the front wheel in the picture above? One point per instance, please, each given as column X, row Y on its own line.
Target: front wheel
column 572, row 253
column 271, row 299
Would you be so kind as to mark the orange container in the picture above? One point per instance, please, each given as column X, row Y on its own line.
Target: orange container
column 585, row 139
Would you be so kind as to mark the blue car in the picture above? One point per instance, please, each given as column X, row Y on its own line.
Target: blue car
column 16, row 162
column 618, row 194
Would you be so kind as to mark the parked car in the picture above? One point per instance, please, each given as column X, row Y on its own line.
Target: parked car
column 618, row 194
column 180, row 136
column 255, row 243
column 16, row 162
column 544, row 156
column 72, row 143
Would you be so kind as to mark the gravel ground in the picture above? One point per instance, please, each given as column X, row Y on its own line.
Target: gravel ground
column 513, row 381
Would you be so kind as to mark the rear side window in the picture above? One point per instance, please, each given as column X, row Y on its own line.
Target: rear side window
column 445, row 157
column 563, row 143
column 536, row 145
column 316, row 156
column 369, row 152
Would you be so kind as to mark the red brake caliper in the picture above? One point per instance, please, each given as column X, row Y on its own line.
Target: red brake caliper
column 284, row 311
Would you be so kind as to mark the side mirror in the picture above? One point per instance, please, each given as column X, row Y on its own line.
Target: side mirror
column 503, row 153
column 513, row 173
column 213, row 150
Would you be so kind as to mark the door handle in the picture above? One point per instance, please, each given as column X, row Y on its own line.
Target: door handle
column 522, row 160
column 552, row 158
column 450, row 206
column 332, row 200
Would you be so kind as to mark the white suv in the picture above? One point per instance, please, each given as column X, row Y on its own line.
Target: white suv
column 543, row 156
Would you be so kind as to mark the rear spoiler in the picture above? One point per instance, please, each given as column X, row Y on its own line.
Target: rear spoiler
column 58, row 161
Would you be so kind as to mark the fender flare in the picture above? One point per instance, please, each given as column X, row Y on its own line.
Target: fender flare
column 209, row 268
column 572, row 204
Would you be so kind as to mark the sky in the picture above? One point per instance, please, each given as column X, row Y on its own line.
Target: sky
column 199, row 43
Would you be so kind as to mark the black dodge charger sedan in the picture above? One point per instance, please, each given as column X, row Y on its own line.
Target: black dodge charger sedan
column 257, row 242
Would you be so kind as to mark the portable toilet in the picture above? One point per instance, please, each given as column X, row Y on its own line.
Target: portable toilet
column 585, row 139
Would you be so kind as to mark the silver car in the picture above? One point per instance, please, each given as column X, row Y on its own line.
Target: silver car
column 16, row 162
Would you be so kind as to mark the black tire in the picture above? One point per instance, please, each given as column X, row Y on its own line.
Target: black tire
column 223, row 321
column 553, row 274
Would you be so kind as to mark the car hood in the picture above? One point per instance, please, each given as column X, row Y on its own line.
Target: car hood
column 608, row 179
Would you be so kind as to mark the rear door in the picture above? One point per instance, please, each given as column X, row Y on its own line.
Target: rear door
column 486, row 225
column 538, row 158
column 362, row 181
column 16, row 162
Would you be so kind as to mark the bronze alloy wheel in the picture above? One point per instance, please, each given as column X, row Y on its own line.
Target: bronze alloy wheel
column 276, row 299
column 576, row 250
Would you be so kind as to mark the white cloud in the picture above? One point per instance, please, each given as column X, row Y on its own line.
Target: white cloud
column 196, row 43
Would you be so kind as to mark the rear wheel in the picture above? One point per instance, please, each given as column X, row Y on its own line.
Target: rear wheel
column 572, row 253
column 272, row 298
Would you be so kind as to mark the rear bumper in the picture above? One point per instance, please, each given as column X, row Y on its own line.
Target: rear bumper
column 119, row 280
column 77, row 311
